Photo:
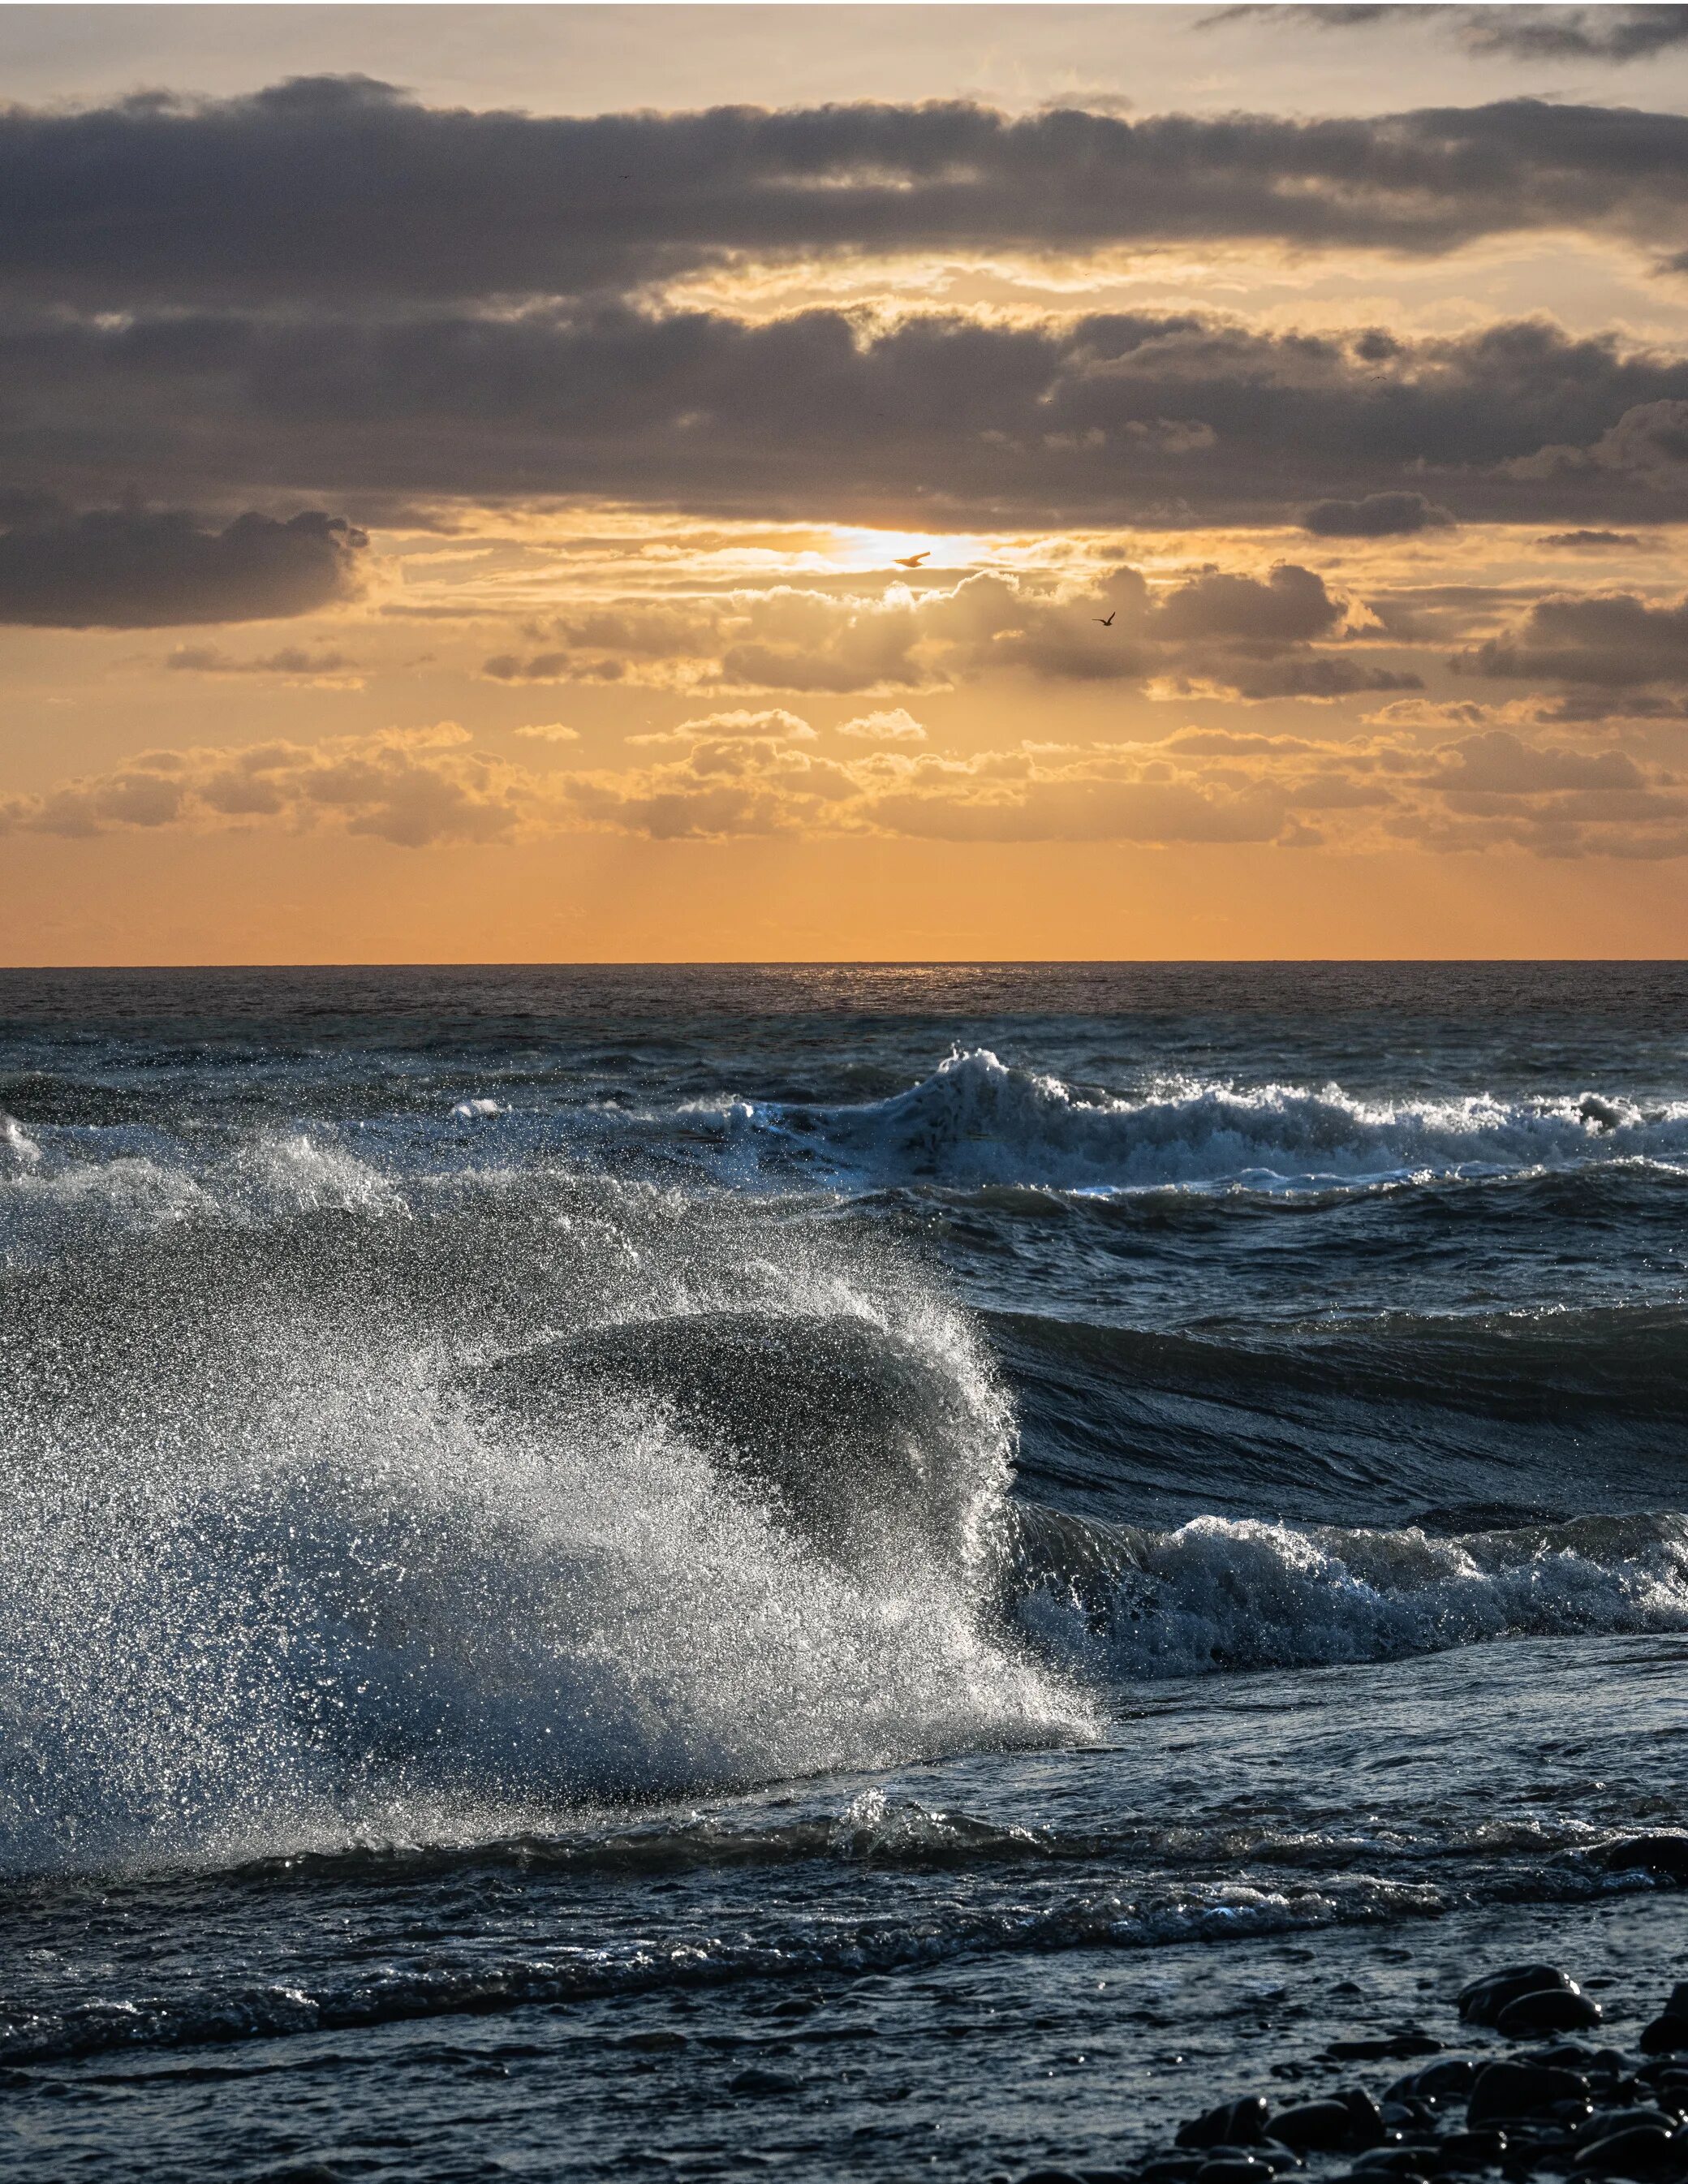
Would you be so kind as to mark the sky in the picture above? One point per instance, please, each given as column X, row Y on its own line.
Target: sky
column 708, row 483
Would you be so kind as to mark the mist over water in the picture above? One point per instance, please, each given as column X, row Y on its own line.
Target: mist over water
column 535, row 1488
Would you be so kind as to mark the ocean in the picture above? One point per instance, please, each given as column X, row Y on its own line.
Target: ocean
column 847, row 1570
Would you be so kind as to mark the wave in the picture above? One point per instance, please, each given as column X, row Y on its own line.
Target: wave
column 1230, row 1594
column 268, row 1575
column 977, row 1121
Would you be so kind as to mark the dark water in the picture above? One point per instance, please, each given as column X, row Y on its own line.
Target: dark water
column 420, row 1783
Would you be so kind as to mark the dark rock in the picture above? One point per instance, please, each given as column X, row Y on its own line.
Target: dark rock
column 1169, row 2168
column 1666, row 1855
column 1315, row 2127
column 1369, row 2128
column 1050, row 2176
column 1574, row 2055
column 1665, row 2035
column 1608, row 2122
column 1437, row 2081
column 1396, row 2161
column 1237, row 2123
column 1464, row 2152
column 1642, row 2151
column 1549, row 2010
column 1238, row 2168
column 1395, row 2048
column 1482, row 2002
column 756, row 2082
column 1105, row 2177
column 1503, row 2091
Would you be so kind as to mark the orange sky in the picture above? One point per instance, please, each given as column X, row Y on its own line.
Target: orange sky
column 1298, row 558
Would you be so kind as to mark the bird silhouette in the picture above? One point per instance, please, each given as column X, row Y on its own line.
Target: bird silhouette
column 1107, row 620
column 911, row 561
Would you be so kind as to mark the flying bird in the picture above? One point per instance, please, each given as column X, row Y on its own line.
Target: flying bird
column 1107, row 620
column 911, row 561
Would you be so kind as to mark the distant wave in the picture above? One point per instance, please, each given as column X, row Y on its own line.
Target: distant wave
column 976, row 1120
column 1229, row 1594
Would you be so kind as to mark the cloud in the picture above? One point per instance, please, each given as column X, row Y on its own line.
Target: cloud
column 1497, row 762
column 414, row 787
column 730, row 776
column 934, row 417
column 1609, row 33
column 1598, row 541
column 549, row 732
column 1225, row 630
column 896, row 726
column 1615, row 640
column 344, row 188
column 125, row 568
column 291, row 664
column 1379, row 515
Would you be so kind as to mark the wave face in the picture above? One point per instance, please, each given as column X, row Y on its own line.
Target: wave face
column 976, row 1120
column 268, row 1575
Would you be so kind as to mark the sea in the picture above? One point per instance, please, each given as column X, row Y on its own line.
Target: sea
column 856, row 1571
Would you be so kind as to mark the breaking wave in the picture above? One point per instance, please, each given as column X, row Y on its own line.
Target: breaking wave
column 976, row 1120
column 1219, row 1593
column 268, row 1575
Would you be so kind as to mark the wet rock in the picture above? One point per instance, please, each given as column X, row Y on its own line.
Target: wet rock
column 1482, row 2001
column 1237, row 2123
column 1437, row 2081
column 1550, row 2009
column 1314, row 2127
column 1464, row 2152
column 1642, row 2151
column 1237, row 2168
column 758, row 2083
column 1395, row 2048
column 1666, row 1855
column 1050, row 2176
column 1608, row 2122
column 1366, row 2118
column 1387, row 2161
column 1667, row 2035
column 1503, row 2091
column 1170, row 2169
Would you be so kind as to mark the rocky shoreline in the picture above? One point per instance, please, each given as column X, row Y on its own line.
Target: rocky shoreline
column 1553, row 2105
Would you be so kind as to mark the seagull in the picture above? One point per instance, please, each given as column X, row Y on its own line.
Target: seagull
column 1107, row 620
column 911, row 561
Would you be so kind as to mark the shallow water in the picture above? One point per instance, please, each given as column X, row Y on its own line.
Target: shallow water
column 377, row 1758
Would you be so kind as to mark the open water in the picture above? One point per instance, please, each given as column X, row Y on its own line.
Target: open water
column 1000, row 1550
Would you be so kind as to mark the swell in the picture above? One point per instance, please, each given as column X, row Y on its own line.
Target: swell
column 1371, row 1420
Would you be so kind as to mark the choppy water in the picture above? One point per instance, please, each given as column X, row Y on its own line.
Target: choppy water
column 1114, row 1492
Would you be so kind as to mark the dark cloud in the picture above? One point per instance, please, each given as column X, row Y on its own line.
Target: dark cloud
column 1379, row 515
column 936, row 417
column 1606, row 33
column 1612, row 639
column 1597, row 542
column 129, row 569
column 336, row 186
